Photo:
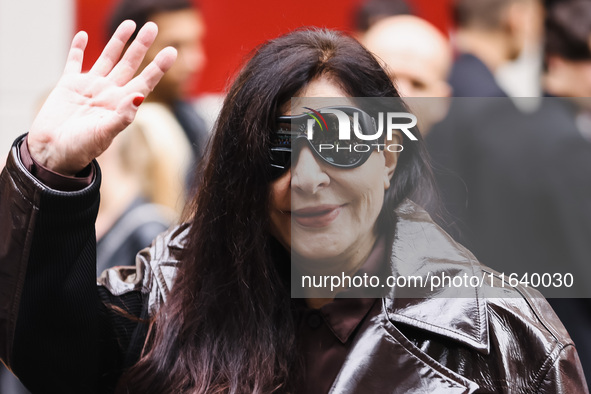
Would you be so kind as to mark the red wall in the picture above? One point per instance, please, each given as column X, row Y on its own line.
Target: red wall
column 235, row 27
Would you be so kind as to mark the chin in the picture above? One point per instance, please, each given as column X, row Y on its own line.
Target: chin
column 317, row 249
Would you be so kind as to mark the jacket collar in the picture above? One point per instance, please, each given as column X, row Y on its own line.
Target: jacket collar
column 423, row 250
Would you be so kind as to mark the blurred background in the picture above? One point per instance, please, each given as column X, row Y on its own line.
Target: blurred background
column 513, row 174
column 35, row 35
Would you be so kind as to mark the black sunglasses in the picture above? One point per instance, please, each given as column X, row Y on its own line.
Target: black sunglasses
column 319, row 130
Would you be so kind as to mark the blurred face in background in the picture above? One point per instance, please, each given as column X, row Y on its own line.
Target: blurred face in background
column 418, row 58
column 416, row 55
column 568, row 49
column 184, row 30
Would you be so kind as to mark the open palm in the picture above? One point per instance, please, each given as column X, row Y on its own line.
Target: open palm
column 86, row 111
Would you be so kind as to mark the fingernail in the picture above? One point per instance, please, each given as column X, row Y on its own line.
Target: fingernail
column 138, row 101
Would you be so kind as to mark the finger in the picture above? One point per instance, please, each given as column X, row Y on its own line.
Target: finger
column 151, row 75
column 112, row 52
column 128, row 65
column 76, row 53
column 127, row 109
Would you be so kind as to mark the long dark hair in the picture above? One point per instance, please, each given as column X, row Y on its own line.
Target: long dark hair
column 227, row 325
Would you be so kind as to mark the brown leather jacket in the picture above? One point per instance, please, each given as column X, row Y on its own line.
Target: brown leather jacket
column 498, row 340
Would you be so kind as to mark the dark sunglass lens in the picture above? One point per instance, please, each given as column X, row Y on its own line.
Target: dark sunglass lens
column 339, row 154
column 279, row 167
column 321, row 129
column 280, row 158
column 337, row 151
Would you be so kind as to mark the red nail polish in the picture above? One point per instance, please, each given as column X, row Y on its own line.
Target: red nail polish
column 138, row 101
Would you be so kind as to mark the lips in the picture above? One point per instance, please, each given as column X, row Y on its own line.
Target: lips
column 318, row 216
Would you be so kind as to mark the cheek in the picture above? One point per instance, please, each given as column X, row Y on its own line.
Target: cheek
column 281, row 228
column 371, row 204
column 368, row 196
column 279, row 193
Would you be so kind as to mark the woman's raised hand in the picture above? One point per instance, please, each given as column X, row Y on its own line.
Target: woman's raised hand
column 85, row 111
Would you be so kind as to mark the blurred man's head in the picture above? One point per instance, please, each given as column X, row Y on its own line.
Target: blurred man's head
column 501, row 24
column 180, row 25
column 416, row 55
column 568, row 48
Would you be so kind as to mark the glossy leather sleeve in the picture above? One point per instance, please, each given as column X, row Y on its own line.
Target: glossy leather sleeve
column 49, row 304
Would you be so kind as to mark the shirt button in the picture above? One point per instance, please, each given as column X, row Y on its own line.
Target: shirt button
column 314, row 320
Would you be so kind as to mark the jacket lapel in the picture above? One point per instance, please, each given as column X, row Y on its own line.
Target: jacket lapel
column 422, row 250
column 383, row 361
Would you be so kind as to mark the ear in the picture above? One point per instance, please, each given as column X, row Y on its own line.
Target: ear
column 391, row 154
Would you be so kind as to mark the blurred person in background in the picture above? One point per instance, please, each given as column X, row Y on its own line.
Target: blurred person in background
column 522, row 77
column 488, row 35
column 417, row 58
column 568, row 74
column 145, row 190
column 416, row 54
column 516, row 185
column 127, row 221
column 168, row 108
column 568, row 52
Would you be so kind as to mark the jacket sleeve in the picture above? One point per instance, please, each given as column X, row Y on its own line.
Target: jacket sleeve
column 51, row 328
column 561, row 371
column 565, row 374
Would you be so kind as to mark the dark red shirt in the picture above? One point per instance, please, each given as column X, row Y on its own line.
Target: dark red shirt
column 327, row 334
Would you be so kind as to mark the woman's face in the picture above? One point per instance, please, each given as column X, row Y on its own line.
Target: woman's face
column 324, row 213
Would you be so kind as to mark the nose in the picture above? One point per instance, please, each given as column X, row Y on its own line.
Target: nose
column 307, row 174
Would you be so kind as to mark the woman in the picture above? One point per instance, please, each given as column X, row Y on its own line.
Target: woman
column 228, row 324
